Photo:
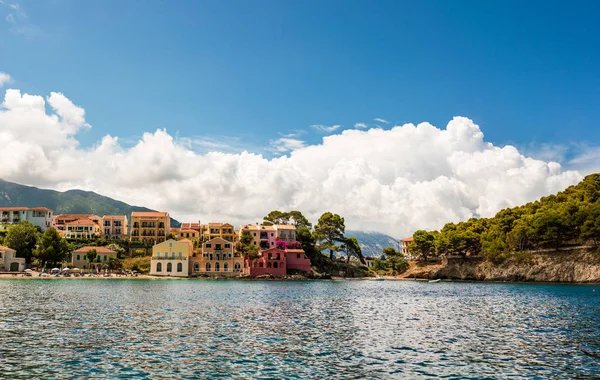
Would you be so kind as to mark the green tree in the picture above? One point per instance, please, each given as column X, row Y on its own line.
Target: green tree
column 52, row 248
column 118, row 249
column 23, row 237
column 292, row 217
column 352, row 248
column 380, row 265
column 91, row 256
column 423, row 244
column 590, row 230
column 114, row 263
column 329, row 231
column 395, row 260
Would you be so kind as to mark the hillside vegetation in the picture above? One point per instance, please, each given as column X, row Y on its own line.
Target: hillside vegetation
column 569, row 218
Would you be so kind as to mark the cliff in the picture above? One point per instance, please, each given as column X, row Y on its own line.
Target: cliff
column 568, row 266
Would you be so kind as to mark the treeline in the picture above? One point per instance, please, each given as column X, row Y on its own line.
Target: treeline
column 571, row 217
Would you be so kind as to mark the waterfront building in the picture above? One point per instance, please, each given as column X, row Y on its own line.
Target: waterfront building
column 269, row 261
column 217, row 256
column 296, row 259
column 9, row 262
column 38, row 216
column 150, row 227
column 187, row 234
column 190, row 226
column 80, row 260
column 404, row 243
column 171, row 258
column 114, row 227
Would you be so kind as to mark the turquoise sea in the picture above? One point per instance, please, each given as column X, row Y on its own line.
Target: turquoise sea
column 315, row 329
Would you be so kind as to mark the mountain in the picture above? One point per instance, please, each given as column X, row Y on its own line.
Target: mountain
column 67, row 202
column 372, row 243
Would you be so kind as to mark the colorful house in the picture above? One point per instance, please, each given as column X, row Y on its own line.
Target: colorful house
column 150, row 227
column 81, row 225
column 115, row 227
column 103, row 255
column 9, row 262
column 270, row 261
column 404, row 243
column 263, row 237
column 217, row 256
column 297, row 259
column 218, row 230
column 285, row 232
column 171, row 258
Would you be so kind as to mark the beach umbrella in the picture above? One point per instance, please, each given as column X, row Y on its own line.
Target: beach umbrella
column 55, row 269
column 66, row 269
column 75, row 269
column 27, row 270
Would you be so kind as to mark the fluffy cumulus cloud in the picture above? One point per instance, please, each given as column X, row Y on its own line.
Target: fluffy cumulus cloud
column 391, row 180
column 4, row 79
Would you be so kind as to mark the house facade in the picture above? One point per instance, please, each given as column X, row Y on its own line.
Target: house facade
column 9, row 262
column 80, row 260
column 263, row 237
column 217, row 256
column 296, row 259
column 38, row 216
column 285, row 232
column 224, row 231
column 171, row 258
column 62, row 222
column 269, row 261
column 404, row 243
column 114, row 227
column 150, row 227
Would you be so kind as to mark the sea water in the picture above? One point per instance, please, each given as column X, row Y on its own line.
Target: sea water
column 81, row 328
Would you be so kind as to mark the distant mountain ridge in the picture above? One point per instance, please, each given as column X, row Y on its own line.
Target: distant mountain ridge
column 67, row 202
column 373, row 243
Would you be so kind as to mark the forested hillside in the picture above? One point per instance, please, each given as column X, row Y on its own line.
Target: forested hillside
column 571, row 217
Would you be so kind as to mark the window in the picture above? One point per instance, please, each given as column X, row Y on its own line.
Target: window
column 275, row 264
column 217, row 267
column 173, row 255
column 208, row 267
column 255, row 234
column 225, row 267
column 298, row 256
column 77, row 257
column 218, row 247
column 166, row 255
column 207, row 245
column 169, row 267
column 196, row 267
column 272, row 234
column 158, row 267
column 171, row 245
column 236, row 267
column 180, row 255
column 227, row 245
column 272, row 243
column 104, row 257
column 179, row 267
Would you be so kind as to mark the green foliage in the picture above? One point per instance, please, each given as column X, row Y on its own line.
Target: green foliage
column 423, row 244
column 569, row 218
column 380, row 265
column 117, row 248
column 91, row 256
column 395, row 260
column 52, row 248
column 290, row 217
column 329, row 231
column 140, row 264
column 23, row 237
column 352, row 248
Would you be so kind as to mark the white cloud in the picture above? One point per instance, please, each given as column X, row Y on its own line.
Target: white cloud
column 4, row 79
column 285, row 144
column 324, row 128
column 380, row 120
column 442, row 175
column 360, row 125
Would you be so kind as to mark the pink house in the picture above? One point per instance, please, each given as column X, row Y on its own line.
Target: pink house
column 296, row 259
column 270, row 261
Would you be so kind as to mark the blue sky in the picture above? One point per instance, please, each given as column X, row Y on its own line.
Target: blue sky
column 527, row 72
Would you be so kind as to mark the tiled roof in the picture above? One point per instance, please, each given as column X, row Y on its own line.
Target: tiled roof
column 187, row 230
column 25, row 209
column 295, row 250
column 82, row 222
column 98, row 250
column 114, row 216
column 3, row 248
column 408, row 239
column 151, row 214
column 284, row 227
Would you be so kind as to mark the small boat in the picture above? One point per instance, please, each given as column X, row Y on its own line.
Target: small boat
column 378, row 278
column 435, row 281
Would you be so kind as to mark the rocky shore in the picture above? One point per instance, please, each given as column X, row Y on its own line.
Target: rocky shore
column 564, row 266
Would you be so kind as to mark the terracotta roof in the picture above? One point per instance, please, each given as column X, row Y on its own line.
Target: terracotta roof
column 114, row 216
column 41, row 209
column 218, row 238
column 76, row 216
column 408, row 239
column 14, row 208
column 187, row 230
column 249, row 227
column 98, row 250
column 191, row 226
column 268, row 228
column 284, row 227
column 3, row 248
column 85, row 222
column 152, row 214
column 295, row 250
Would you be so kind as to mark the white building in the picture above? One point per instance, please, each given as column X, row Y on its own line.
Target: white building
column 38, row 216
column 171, row 258
column 9, row 262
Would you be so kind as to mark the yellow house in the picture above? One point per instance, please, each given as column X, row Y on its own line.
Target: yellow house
column 171, row 258
column 218, row 230
column 103, row 255
column 150, row 227
column 217, row 256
